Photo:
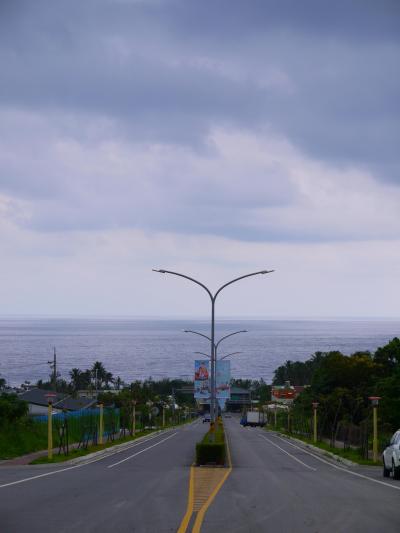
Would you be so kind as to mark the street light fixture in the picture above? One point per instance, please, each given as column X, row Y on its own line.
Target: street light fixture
column 213, row 298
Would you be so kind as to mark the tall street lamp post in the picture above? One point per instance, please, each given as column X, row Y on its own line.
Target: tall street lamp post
column 213, row 298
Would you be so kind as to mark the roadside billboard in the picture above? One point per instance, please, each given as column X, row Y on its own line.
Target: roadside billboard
column 223, row 380
column 201, row 379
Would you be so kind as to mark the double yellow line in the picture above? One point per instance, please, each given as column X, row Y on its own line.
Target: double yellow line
column 192, row 496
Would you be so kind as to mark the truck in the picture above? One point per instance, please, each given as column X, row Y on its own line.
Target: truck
column 254, row 418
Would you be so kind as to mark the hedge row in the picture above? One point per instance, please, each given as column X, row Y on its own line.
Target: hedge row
column 211, row 450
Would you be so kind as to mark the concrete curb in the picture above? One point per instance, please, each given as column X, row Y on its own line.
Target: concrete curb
column 319, row 451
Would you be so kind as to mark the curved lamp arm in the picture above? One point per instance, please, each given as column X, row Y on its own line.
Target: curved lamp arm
column 196, row 333
column 202, row 353
column 230, row 335
column 241, row 277
column 228, row 355
column 162, row 271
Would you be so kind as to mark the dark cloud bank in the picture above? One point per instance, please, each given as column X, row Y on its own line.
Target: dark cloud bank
column 324, row 75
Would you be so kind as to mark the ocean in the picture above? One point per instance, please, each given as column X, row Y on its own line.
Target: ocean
column 139, row 348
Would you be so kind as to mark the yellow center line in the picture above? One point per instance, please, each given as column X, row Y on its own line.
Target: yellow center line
column 189, row 510
column 204, row 485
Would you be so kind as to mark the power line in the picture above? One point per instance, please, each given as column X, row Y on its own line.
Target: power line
column 21, row 366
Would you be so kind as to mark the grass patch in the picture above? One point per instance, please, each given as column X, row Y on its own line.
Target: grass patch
column 73, row 453
column 21, row 438
column 91, row 449
column 348, row 453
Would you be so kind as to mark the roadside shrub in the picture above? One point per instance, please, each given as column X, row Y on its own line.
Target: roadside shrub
column 211, row 450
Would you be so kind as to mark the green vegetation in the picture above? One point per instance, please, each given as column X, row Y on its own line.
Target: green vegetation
column 19, row 434
column 212, row 448
column 155, row 401
column 81, row 452
column 74, row 452
column 342, row 386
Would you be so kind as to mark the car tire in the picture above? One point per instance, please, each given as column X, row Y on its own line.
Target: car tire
column 395, row 471
column 386, row 471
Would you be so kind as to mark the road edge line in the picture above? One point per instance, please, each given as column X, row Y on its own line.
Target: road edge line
column 346, row 470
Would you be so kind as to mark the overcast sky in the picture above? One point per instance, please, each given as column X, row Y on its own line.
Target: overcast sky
column 214, row 138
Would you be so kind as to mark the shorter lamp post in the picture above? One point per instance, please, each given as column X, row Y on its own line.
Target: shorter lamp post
column 375, row 403
column 50, row 397
column 101, row 423
column 315, row 407
column 149, row 404
column 134, row 417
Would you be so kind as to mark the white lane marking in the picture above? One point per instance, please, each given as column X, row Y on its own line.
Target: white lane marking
column 38, row 476
column 289, row 454
column 340, row 467
column 141, row 451
column 94, row 460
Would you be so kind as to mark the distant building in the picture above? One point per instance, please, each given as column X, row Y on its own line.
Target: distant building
column 239, row 398
column 285, row 393
column 38, row 402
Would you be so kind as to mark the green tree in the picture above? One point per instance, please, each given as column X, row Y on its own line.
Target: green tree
column 12, row 408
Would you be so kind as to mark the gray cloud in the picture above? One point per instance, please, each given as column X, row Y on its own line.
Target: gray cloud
column 323, row 75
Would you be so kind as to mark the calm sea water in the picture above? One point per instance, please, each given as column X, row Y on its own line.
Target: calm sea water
column 139, row 348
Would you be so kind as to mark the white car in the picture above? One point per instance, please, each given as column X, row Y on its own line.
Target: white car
column 391, row 457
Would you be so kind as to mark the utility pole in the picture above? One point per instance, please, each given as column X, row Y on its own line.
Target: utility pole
column 53, row 366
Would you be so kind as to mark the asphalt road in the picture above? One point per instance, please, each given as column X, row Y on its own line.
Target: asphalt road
column 141, row 489
column 277, row 487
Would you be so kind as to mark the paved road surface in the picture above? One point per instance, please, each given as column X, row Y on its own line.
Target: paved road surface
column 145, row 493
column 274, row 487
column 269, row 490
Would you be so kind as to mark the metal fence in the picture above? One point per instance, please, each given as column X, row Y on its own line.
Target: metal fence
column 80, row 427
column 341, row 435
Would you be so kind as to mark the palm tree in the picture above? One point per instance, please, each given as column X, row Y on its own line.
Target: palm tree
column 76, row 378
column 101, row 375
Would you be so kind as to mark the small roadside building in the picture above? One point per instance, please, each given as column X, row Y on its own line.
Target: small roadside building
column 38, row 402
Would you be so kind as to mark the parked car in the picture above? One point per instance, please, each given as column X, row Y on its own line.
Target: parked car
column 391, row 457
column 207, row 418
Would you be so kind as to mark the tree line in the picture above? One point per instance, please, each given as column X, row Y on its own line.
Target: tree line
column 342, row 384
